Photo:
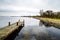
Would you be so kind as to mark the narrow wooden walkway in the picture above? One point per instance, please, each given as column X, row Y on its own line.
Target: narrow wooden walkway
column 6, row 31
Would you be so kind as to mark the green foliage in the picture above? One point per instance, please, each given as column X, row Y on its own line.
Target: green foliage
column 51, row 14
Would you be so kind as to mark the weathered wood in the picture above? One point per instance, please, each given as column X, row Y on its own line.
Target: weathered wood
column 23, row 22
column 10, row 32
column 9, row 24
column 17, row 23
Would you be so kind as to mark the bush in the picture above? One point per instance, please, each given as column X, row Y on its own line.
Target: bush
column 51, row 14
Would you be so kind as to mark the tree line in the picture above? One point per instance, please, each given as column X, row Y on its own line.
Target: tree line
column 51, row 14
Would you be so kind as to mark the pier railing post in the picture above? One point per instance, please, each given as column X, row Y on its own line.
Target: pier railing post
column 17, row 23
column 9, row 24
column 19, row 20
column 23, row 22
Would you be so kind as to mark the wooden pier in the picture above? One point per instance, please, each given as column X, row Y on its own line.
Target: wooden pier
column 11, row 31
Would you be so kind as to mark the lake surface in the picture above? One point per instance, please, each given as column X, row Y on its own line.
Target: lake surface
column 5, row 19
column 33, row 29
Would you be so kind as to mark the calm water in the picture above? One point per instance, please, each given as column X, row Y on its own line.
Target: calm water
column 5, row 19
column 33, row 29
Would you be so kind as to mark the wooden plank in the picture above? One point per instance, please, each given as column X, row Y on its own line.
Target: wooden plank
column 4, row 32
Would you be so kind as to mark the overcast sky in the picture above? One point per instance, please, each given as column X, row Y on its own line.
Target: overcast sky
column 28, row 5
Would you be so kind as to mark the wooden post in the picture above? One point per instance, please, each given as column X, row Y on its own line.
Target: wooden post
column 23, row 22
column 9, row 24
column 19, row 20
column 17, row 23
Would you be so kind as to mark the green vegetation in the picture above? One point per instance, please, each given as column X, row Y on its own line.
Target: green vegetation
column 51, row 17
column 51, row 14
column 51, row 21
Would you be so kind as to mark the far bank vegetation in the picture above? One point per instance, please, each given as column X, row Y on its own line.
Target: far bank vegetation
column 50, row 14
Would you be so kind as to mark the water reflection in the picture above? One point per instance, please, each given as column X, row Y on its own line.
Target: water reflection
column 33, row 33
column 35, row 30
column 54, row 32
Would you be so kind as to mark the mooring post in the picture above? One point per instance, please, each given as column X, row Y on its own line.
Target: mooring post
column 23, row 22
column 19, row 20
column 8, row 23
column 17, row 23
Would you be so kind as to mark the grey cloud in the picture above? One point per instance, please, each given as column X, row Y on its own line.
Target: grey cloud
column 54, row 4
column 40, row 4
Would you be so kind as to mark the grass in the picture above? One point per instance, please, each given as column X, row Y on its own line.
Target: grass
column 54, row 21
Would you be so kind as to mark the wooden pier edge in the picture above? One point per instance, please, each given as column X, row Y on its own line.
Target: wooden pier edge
column 11, row 36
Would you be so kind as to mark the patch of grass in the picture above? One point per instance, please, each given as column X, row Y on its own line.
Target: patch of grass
column 54, row 21
column 51, row 20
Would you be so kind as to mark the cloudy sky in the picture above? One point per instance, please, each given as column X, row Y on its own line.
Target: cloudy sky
column 8, row 6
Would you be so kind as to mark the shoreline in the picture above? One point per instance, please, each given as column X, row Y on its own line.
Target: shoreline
column 50, row 21
column 47, row 21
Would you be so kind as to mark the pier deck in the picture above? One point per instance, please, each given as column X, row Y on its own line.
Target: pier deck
column 6, row 31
